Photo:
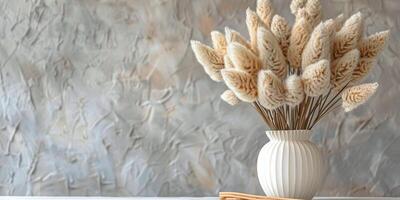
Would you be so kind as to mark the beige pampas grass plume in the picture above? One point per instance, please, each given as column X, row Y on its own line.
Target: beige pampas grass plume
column 339, row 20
column 265, row 11
column 234, row 36
column 330, row 26
column 363, row 68
column 280, row 28
column 229, row 97
column 316, row 78
column 318, row 47
column 334, row 25
column 313, row 8
column 348, row 37
column 219, row 42
column 228, row 63
column 252, row 25
column 243, row 59
column 294, row 94
column 241, row 83
column 298, row 39
column 270, row 53
column 211, row 60
column 296, row 5
column 357, row 95
column 342, row 69
column 271, row 92
column 371, row 46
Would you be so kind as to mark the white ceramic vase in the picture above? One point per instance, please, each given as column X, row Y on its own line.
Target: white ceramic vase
column 289, row 165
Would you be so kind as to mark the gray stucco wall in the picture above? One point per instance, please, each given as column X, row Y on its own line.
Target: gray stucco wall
column 106, row 98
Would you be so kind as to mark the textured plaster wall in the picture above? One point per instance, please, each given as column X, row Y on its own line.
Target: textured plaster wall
column 106, row 98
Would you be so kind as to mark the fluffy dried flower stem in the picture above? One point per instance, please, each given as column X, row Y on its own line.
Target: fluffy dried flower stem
column 318, row 47
column 219, row 42
column 357, row 95
column 234, row 36
column 280, row 28
column 323, row 62
column 241, row 83
column 296, row 5
column 271, row 53
column 313, row 8
column 298, row 39
column 373, row 45
column 348, row 37
column 252, row 23
column 265, row 11
column 210, row 59
column 243, row 59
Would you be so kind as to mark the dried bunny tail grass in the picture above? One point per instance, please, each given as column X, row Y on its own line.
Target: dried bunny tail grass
column 334, row 25
column 339, row 20
column 229, row 97
column 271, row 92
column 313, row 8
column 316, row 78
column 294, row 94
column 228, row 62
column 296, row 5
column 348, row 37
column 298, row 39
column 330, row 26
column 234, row 36
column 357, row 95
column 363, row 68
column 318, row 47
column 371, row 46
column 342, row 69
column 265, row 11
column 243, row 59
column 252, row 25
column 270, row 53
column 219, row 42
column 280, row 28
column 211, row 61
column 241, row 83
column 302, row 13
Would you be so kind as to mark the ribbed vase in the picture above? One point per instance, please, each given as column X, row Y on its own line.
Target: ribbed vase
column 289, row 165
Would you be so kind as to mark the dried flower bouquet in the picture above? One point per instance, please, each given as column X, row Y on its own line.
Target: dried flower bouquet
column 293, row 76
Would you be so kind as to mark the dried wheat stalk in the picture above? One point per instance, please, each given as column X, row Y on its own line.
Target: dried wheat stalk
column 313, row 8
column 210, row 59
column 348, row 37
column 241, row 83
column 296, row 5
column 265, row 11
column 219, row 42
column 316, row 78
column 318, row 47
column 252, row 23
column 363, row 68
column 295, row 76
column 357, row 95
column 294, row 91
column 280, row 28
column 299, row 36
column 370, row 49
column 342, row 69
column 270, row 53
column 233, row 36
column 243, row 58
column 271, row 92
column 229, row 97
